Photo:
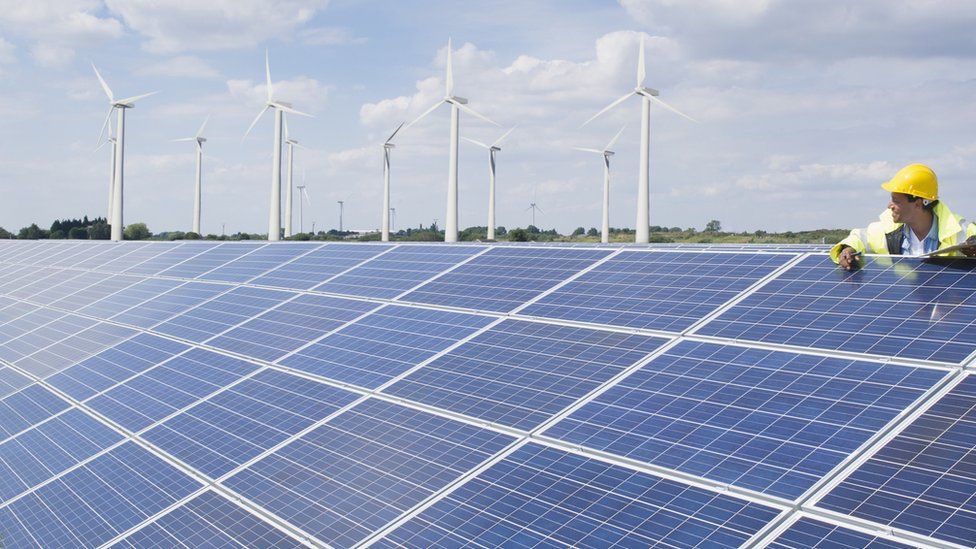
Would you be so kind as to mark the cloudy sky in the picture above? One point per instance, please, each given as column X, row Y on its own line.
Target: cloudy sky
column 803, row 107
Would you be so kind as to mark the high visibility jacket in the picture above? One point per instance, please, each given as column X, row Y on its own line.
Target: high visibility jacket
column 884, row 236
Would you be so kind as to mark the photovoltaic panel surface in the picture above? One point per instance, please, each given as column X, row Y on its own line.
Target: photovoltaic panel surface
column 891, row 307
column 656, row 290
column 169, row 304
column 923, row 480
column 221, row 313
column 543, row 497
column 809, row 533
column 209, row 260
column 319, row 265
column 257, row 262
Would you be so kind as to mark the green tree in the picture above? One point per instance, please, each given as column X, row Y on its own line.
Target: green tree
column 4, row 233
column 78, row 233
column 100, row 231
column 592, row 232
column 518, row 235
column 32, row 232
column 190, row 235
column 580, row 231
column 136, row 231
column 713, row 226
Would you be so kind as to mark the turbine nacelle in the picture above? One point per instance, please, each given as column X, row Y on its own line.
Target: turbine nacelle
column 646, row 91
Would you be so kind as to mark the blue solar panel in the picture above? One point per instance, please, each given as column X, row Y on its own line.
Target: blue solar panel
column 384, row 344
column 114, row 365
column 221, row 313
column 131, row 296
column 208, row 520
column 505, row 278
column 891, row 307
column 769, row 421
column 521, row 373
column 398, row 271
column 210, row 259
column 136, row 256
column 72, row 348
column 11, row 381
column 809, row 533
column 169, row 304
column 924, row 480
column 108, row 285
column 656, row 290
column 72, row 282
column 96, row 502
column 236, row 425
column 169, row 257
column 319, row 265
column 169, row 387
column 38, row 337
column 257, row 262
column 543, row 497
column 115, row 255
column 363, row 469
column 27, row 407
column 286, row 328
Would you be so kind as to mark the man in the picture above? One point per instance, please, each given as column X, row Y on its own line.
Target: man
column 915, row 222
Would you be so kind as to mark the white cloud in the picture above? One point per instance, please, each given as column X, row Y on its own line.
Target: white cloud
column 304, row 93
column 7, row 54
column 172, row 26
column 56, row 28
column 330, row 36
column 182, row 66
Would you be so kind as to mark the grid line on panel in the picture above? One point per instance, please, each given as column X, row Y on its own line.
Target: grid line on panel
column 292, row 275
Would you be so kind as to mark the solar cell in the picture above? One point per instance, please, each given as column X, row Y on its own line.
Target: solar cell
column 83, row 297
column 770, row 421
column 131, row 296
column 923, row 480
column 169, row 304
column 898, row 307
column 398, row 270
column 291, row 325
column 808, row 533
column 221, row 313
column 656, row 290
column 319, row 265
column 384, row 344
column 502, row 279
column 73, row 347
column 257, row 262
column 236, row 425
column 208, row 520
column 29, row 405
column 521, row 373
column 73, row 281
column 11, row 381
column 170, row 257
column 543, row 497
column 209, row 259
column 113, row 254
column 363, row 469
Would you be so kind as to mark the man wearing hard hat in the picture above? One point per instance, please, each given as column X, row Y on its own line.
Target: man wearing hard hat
column 915, row 223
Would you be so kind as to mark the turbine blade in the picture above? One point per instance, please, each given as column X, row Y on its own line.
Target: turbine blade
column 267, row 74
column 291, row 110
column 478, row 143
column 202, row 126
column 305, row 194
column 298, row 146
column 538, row 209
column 284, row 120
column 199, row 147
column 98, row 148
column 607, row 108
column 251, row 127
column 615, row 138
column 392, row 135
column 133, row 99
column 449, row 81
column 641, row 70
column 473, row 112
column 108, row 91
column 105, row 124
column 504, row 135
column 584, row 149
column 425, row 113
column 183, row 139
column 670, row 108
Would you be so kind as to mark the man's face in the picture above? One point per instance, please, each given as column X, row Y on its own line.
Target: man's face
column 903, row 211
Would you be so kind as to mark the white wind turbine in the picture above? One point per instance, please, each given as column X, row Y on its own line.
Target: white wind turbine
column 292, row 144
column 111, row 178
column 492, row 149
column 302, row 193
column 647, row 96
column 387, row 146
column 197, row 191
column 457, row 104
column 607, row 152
column 279, row 107
column 117, row 180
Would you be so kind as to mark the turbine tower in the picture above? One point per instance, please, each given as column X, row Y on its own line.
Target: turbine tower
column 292, row 144
column 387, row 146
column 492, row 149
column 457, row 104
column 200, row 140
column 534, row 207
column 111, row 177
column 279, row 107
column 647, row 95
column 302, row 193
column 119, row 105
column 607, row 152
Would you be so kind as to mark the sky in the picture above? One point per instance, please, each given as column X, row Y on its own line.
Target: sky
column 802, row 108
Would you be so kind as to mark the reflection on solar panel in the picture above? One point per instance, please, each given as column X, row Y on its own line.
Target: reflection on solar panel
column 335, row 394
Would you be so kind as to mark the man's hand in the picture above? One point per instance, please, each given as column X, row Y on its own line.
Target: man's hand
column 848, row 258
column 971, row 250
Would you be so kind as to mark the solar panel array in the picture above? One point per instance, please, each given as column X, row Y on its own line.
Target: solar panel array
column 307, row 394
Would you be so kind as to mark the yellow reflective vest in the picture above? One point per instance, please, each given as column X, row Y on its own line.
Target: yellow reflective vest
column 875, row 238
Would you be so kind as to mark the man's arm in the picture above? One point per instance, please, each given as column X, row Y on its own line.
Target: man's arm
column 847, row 258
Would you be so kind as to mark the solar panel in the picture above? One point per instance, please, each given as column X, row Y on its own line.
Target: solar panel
column 472, row 394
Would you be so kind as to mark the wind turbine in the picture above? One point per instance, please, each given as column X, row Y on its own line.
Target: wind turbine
column 457, row 104
column 534, row 207
column 117, row 185
column 200, row 140
column 387, row 145
column 111, row 178
column 279, row 107
column 607, row 153
column 492, row 149
column 292, row 144
column 302, row 193
column 647, row 96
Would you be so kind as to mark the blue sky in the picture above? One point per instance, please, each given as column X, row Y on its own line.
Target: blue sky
column 803, row 107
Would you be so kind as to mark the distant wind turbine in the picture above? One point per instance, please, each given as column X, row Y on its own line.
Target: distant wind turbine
column 647, row 96
column 457, row 104
column 200, row 140
column 117, row 185
column 492, row 149
column 292, row 144
column 302, row 193
column 387, row 146
column 607, row 152
column 534, row 207
column 279, row 107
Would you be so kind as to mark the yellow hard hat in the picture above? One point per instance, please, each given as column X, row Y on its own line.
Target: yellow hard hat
column 916, row 180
